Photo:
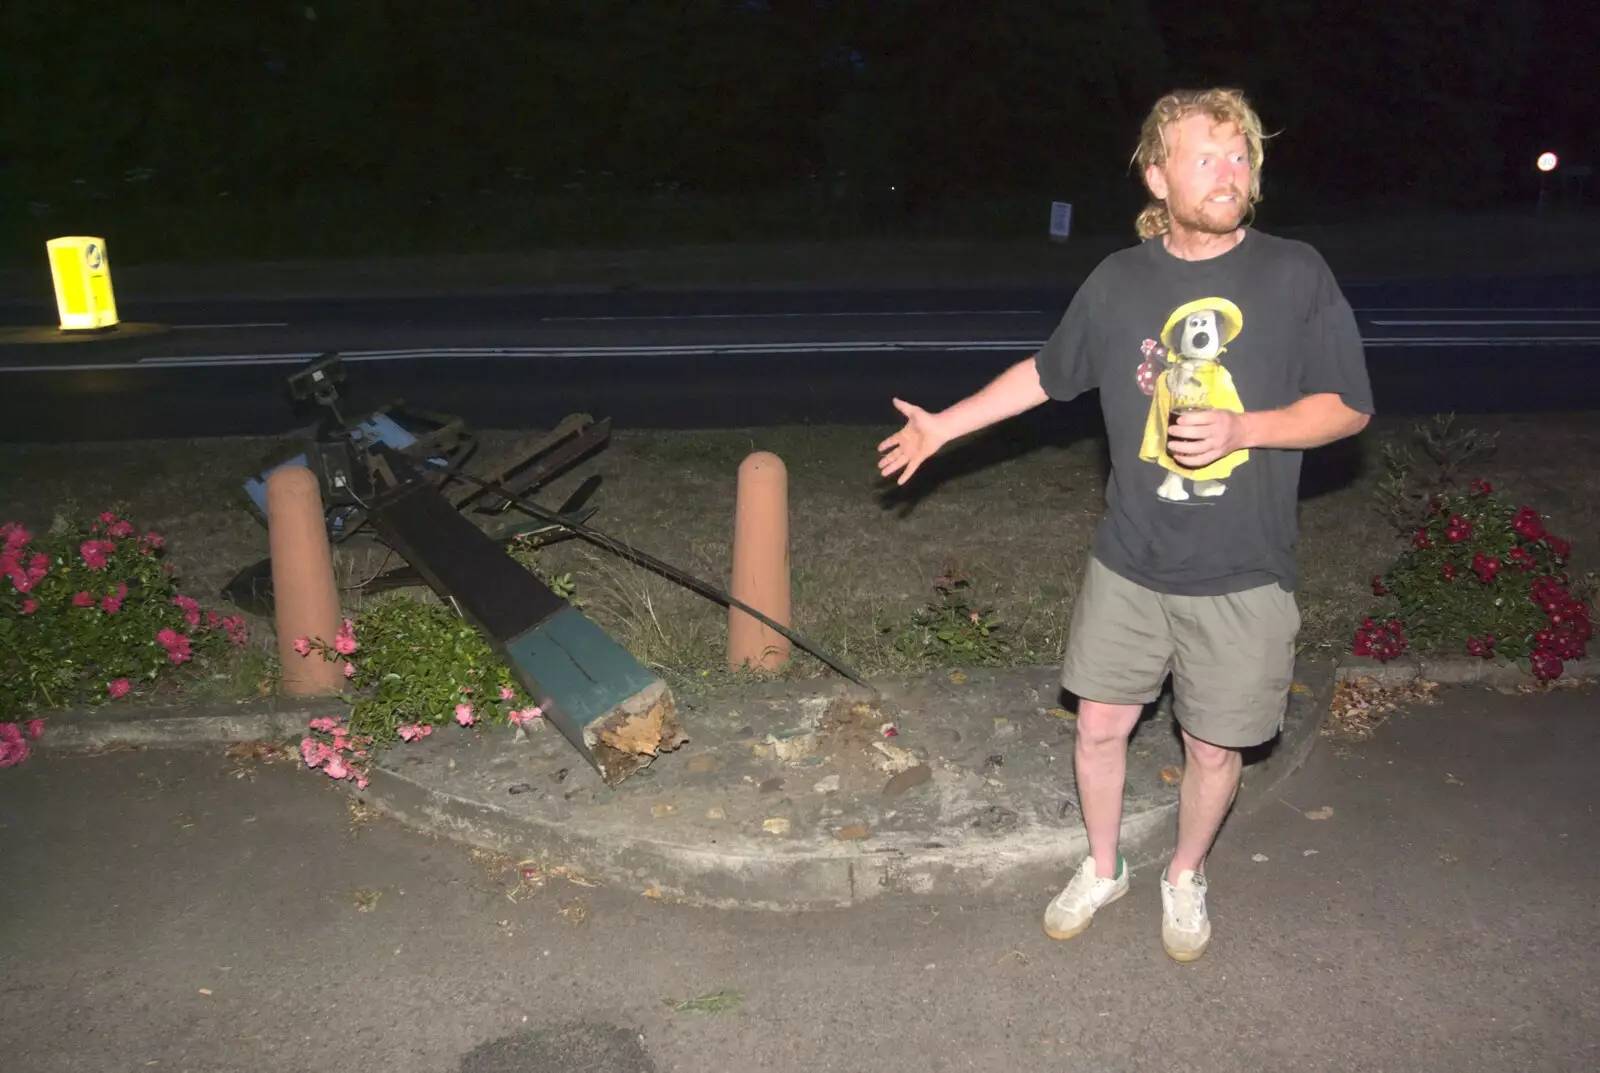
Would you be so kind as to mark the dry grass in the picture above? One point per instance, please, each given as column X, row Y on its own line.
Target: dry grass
column 1014, row 512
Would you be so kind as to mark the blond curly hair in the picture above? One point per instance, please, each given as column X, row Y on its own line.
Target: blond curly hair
column 1223, row 106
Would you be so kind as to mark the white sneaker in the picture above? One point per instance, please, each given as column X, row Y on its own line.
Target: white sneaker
column 1185, row 928
column 1071, row 911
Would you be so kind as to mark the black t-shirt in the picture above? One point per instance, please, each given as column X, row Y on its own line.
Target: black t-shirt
column 1265, row 324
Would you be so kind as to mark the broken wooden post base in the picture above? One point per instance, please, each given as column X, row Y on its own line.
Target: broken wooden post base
column 607, row 705
column 592, row 689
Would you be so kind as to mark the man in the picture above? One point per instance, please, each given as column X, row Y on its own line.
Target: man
column 1192, row 568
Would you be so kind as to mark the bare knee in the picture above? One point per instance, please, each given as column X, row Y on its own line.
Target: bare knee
column 1202, row 754
column 1101, row 725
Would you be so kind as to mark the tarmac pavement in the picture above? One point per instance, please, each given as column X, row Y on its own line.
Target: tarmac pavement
column 175, row 909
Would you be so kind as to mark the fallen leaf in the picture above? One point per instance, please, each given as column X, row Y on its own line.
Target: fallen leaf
column 957, row 677
column 1061, row 713
column 906, row 780
column 777, row 825
column 1323, row 813
column 205, row 991
column 715, row 1003
column 1259, row 857
column 1171, row 775
column 851, row 833
column 574, row 913
column 653, row 893
column 662, row 811
column 1360, row 706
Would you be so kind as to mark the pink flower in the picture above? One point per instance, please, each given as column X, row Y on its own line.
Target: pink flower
column 107, row 517
column 120, row 529
column 35, row 727
column 345, row 642
column 409, row 732
column 24, row 579
column 464, row 714
column 16, row 537
column 325, row 723
column 83, row 599
column 13, row 747
column 29, row 606
column 154, row 541
column 119, row 687
column 191, row 608
column 302, row 646
column 361, row 781
column 349, row 670
column 176, row 644
column 111, row 604
column 315, row 752
column 506, row 693
column 234, row 624
column 336, row 768
column 94, row 553
column 525, row 716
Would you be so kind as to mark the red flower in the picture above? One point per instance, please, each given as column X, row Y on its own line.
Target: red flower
column 1449, row 571
column 1419, row 539
column 1546, row 665
column 1527, row 524
column 1377, row 586
column 1486, row 567
column 1561, row 549
column 1382, row 643
column 1457, row 529
column 1479, row 487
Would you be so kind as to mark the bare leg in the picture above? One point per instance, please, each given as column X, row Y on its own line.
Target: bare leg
column 1210, row 781
column 1101, row 759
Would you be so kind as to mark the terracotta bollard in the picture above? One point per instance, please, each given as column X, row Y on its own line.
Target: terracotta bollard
column 305, row 598
column 760, row 563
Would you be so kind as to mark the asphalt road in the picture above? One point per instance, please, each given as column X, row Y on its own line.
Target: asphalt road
column 717, row 360
column 161, row 914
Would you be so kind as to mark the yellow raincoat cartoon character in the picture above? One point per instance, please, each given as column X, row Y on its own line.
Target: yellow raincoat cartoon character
column 1195, row 336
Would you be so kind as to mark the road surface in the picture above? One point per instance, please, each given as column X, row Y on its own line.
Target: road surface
column 1442, row 915
column 717, row 360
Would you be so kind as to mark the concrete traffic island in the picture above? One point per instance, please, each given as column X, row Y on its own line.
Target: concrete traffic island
column 816, row 795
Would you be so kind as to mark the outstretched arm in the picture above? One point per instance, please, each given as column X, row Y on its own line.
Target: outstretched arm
column 1012, row 392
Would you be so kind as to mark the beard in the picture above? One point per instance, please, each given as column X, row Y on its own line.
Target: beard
column 1210, row 217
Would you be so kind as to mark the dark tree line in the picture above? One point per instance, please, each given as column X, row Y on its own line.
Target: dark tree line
column 913, row 103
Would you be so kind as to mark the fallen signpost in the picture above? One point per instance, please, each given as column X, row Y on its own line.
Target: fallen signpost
column 611, row 709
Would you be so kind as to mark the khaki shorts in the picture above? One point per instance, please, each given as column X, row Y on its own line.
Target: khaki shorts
column 1231, row 657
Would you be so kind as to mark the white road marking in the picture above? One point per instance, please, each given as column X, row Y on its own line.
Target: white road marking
column 1477, row 323
column 800, row 316
column 255, row 324
column 1020, row 346
column 1477, row 309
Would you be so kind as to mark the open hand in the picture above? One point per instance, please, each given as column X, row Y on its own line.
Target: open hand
column 913, row 445
column 1206, row 436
